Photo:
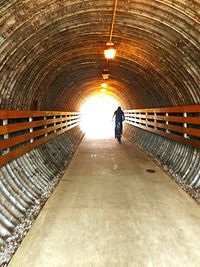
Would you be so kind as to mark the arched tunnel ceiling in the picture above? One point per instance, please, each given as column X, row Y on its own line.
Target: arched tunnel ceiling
column 52, row 52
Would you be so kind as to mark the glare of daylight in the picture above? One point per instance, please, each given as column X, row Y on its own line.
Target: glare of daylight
column 97, row 113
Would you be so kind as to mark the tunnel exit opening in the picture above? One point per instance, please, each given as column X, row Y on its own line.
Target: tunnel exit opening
column 97, row 112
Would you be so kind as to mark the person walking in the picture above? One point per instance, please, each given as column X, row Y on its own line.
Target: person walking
column 119, row 118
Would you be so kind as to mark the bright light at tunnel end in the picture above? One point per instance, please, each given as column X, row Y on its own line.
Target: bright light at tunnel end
column 97, row 114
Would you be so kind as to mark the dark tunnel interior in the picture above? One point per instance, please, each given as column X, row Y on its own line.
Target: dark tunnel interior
column 52, row 60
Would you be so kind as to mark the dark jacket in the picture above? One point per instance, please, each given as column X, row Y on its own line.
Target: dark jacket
column 119, row 115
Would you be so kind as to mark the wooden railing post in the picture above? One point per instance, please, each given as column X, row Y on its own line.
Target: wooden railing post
column 45, row 126
column 155, row 121
column 6, row 136
column 146, row 113
column 54, row 123
column 139, row 118
column 31, row 129
column 167, row 122
column 61, row 116
column 185, row 124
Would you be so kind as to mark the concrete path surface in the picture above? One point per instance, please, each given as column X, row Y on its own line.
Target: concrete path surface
column 109, row 211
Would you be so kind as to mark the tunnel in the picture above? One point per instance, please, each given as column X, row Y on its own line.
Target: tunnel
column 52, row 62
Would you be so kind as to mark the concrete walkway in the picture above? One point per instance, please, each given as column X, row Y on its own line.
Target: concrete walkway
column 108, row 211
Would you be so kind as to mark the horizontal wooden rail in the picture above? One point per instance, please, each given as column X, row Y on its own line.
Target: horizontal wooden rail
column 177, row 109
column 13, row 114
column 9, row 128
column 21, row 131
column 181, row 123
column 192, row 120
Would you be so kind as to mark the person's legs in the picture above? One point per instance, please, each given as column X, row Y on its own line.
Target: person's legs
column 121, row 127
column 115, row 129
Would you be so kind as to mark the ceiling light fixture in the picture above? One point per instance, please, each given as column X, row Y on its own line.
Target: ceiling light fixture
column 104, row 85
column 103, row 90
column 105, row 74
column 110, row 50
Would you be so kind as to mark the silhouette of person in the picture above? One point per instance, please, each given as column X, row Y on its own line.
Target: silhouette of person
column 119, row 118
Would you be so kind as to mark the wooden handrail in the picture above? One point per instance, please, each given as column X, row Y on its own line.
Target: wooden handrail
column 15, row 114
column 19, row 137
column 177, row 109
column 179, row 129
column 180, row 123
column 22, row 150
column 191, row 120
column 9, row 128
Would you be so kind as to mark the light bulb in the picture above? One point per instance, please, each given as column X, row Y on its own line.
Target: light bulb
column 104, row 85
column 110, row 51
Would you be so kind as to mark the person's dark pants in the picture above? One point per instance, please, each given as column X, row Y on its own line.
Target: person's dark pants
column 121, row 127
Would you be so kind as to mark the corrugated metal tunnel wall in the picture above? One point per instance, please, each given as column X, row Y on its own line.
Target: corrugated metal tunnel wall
column 52, row 59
